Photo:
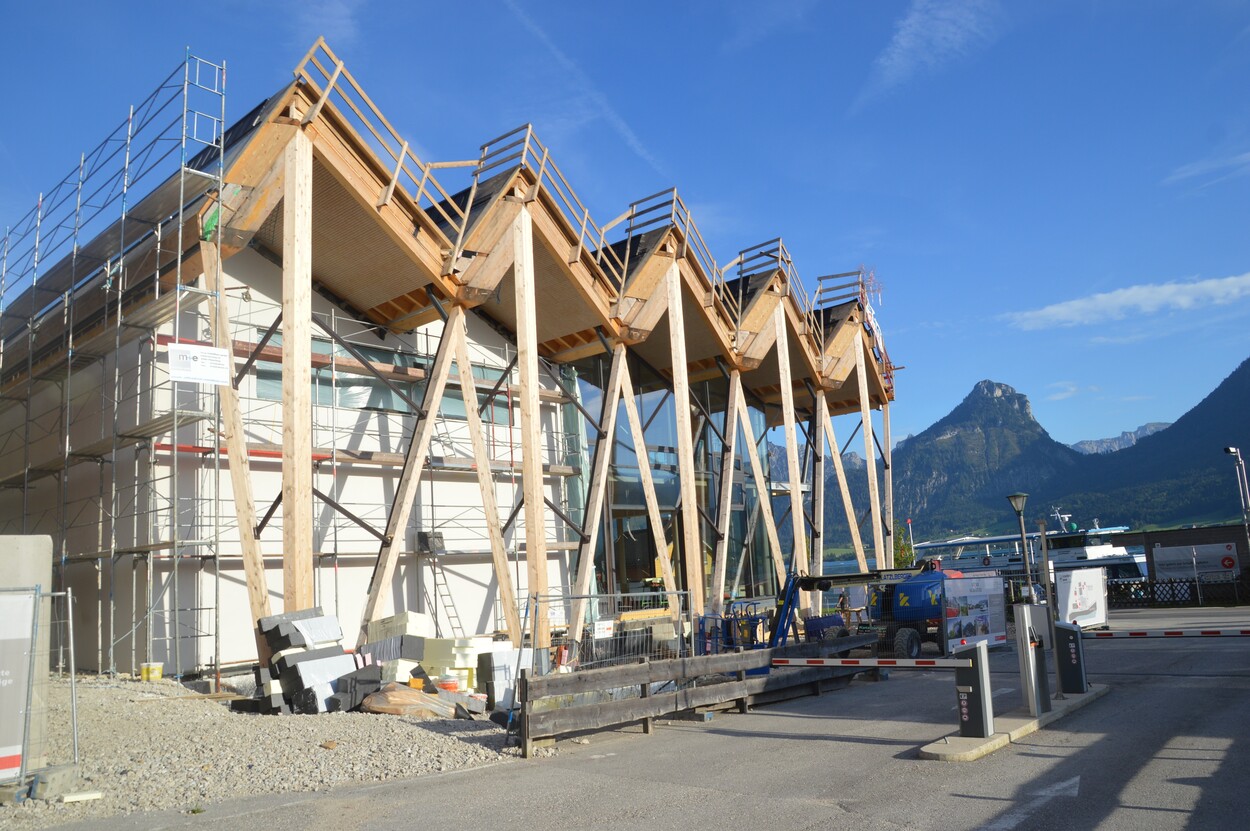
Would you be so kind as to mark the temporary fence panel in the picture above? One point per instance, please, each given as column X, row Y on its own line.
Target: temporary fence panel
column 618, row 628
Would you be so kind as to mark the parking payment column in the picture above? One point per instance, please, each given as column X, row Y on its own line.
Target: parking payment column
column 972, row 691
column 1070, row 659
column 1029, row 626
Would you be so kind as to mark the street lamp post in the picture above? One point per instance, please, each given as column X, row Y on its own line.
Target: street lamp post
column 1243, row 491
column 1017, row 505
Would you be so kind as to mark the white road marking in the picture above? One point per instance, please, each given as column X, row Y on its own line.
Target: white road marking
column 1013, row 818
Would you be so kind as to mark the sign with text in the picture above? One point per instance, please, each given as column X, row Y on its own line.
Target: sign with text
column 976, row 611
column 17, row 628
column 1182, row 561
column 195, row 364
column 1081, row 595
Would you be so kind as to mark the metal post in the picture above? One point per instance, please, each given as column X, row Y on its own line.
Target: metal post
column 1028, row 560
column 73, row 666
column 1052, row 608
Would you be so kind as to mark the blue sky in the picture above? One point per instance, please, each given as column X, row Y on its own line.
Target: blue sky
column 1052, row 195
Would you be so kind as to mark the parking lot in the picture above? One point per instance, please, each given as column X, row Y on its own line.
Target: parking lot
column 1166, row 748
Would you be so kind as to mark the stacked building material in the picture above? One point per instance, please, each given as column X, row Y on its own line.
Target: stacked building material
column 309, row 670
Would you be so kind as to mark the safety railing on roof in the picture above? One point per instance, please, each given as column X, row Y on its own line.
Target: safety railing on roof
column 521, row 148
column 329, row 82
column 665, row 209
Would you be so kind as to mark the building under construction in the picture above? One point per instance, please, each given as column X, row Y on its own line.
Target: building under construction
column 264, row 364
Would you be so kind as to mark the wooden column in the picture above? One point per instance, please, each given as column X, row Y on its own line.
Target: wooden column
column 870, row 453
column 835, row 450
column 724, row 501
column 236, row 448
column 297, row 515
column 486, row 483
column 691, row 523
column 533, row 485
column 887, row 458
column 816, row 435
column 798, row 559
column 597, row 493
column 410, row 476
column 662, row 552
column 761, row 485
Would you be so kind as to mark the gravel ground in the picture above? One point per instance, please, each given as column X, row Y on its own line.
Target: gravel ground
column 148, row 746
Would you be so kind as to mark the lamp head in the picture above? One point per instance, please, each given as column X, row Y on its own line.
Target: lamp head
column 1232, row 451
column 1017, row 502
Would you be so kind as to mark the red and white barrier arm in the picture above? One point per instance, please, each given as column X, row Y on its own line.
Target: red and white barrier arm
column 1169, row 633
column 900, row 663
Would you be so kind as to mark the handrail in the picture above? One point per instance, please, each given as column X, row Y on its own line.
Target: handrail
column 521, row 148
column 331, row 84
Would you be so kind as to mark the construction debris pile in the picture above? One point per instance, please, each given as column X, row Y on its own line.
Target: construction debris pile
column 399, row 670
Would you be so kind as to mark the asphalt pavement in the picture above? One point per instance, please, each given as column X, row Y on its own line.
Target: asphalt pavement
column 1165, row 748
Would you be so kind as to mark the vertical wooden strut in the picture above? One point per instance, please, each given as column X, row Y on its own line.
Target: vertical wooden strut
column 724, row 501
column 836, row 452
column 236, row 448
column 297, row 519
column 887, row 457
column 817, row 437
column 414, row 462
column 691, row 523
column 870, row 453
column 798, row 558
column 663, row 554
column 533, row 485
column 486, row 482
column 597, row 493
column 752, row 451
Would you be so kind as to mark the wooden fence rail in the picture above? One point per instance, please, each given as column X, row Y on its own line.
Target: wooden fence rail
column 547, row 711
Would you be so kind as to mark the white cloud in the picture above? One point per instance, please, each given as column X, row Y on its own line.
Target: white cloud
column 932, row 34
column 754, row 22
column 333, row 19
column 1211, row 170
column 587, row 88
column 1063, row 389
column 1136, row 300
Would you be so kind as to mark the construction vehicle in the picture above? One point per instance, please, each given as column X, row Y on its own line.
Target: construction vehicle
column 908, row 613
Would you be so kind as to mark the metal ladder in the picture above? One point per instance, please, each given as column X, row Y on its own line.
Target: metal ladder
column 443, row 598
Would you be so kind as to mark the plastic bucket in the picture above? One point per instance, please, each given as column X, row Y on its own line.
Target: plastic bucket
column 448, row 682
column 152, row 671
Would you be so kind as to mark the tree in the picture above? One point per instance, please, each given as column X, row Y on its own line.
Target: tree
column 904, row 554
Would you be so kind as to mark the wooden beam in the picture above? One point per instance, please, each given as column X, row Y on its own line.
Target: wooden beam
column 798, row 557
column 761, row 482
column 486, row 482
column 870, row 452
column 851, row 520
column 691, row 523
column 236, row 444
column 297, row 508
column 663, row 553
column 484, row 273
column 598, row 492
column 724, row 501
column 532, row 485
column 816, row 437
column 418, row 452
column 888, row 475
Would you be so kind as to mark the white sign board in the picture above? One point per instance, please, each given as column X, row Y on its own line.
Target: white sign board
column 17, row 617
column 195, row 364
column 604, row 629
column 1181, row 561
column 975, row 611
column 1081, row 595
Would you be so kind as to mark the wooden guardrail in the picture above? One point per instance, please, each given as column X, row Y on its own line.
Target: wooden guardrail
column 549, row 706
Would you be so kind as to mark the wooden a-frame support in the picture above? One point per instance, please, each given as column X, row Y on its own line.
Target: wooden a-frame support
column 724, row 499
column 414, row 462
column 761, row 481
column 835, row 452
column 486, row 482
column 585, row 569
column 887, row 459
column 297, row 508
column 798, row 556
column 816, row 438
column 532, row 482
column 662, row 552
column 691, row 522
column 236, row 448
column 870, row 454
